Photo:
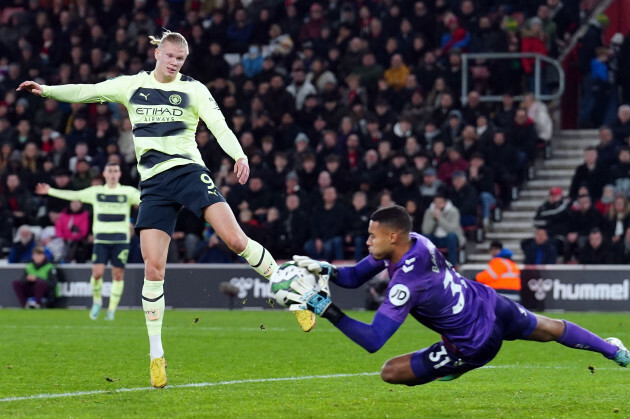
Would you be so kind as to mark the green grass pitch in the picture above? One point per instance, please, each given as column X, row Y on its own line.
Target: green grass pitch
column 59, row 363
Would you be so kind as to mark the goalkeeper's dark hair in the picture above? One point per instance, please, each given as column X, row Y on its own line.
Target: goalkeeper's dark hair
column 393, row 216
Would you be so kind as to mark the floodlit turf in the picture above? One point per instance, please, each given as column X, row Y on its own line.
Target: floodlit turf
column 236, row 357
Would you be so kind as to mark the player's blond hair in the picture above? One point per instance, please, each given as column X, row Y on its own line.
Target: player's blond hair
column 172, row 37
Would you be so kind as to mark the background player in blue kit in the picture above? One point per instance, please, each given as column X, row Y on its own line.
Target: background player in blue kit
column 471, row 317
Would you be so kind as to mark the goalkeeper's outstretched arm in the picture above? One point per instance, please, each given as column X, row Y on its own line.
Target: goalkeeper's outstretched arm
column 370, row 337
column 359, row 274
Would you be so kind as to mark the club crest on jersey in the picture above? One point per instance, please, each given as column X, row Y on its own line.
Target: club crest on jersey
column 399, row 294
column 175, row 99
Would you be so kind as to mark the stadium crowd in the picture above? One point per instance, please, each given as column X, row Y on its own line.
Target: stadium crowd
column 592, row 224
column 341, row 107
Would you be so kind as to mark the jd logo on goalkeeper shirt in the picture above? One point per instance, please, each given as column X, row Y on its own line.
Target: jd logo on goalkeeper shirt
column 399, row 294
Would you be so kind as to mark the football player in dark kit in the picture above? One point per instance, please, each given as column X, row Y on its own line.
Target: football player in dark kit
column 471, row 317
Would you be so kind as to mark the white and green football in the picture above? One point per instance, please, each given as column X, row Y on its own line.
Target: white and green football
column 281, row 279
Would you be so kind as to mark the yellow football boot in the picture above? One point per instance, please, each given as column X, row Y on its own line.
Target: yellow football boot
column 306, row 319
column 158, row 372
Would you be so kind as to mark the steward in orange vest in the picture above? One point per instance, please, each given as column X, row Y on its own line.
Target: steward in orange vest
column 502, row 274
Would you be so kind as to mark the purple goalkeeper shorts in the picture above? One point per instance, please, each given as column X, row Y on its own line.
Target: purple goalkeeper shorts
column 441, row 359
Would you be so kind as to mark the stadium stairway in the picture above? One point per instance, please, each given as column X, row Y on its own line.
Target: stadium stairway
column 517, row 221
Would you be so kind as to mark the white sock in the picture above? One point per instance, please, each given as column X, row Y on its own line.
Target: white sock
column 155, row 344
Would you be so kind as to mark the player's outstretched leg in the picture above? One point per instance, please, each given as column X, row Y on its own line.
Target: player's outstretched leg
column 221, row 218
column 261, row 260
column 573, row 336
column 622, row 356
column 153, row 305
column 97, row 301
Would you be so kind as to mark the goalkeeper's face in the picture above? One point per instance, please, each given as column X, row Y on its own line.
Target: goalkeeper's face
column 380, row 240
column 169, row 60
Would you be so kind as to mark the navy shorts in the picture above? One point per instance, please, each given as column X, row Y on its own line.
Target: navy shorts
column 513, row 321
column 116, row 253
column 163, row 195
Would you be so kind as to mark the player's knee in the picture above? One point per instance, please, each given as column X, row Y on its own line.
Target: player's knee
column 390, row 373
column 237, row 242
column 548, row 329
column 154, row 271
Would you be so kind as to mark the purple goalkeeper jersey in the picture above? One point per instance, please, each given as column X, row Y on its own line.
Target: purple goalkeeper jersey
column 422, row 285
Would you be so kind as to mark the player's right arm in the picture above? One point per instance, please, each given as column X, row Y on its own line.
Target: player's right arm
column 347, row 276
column 112, row 90
column 84, row 195
column 209, row 112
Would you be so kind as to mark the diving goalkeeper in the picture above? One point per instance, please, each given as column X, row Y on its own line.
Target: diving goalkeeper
column 471, row 317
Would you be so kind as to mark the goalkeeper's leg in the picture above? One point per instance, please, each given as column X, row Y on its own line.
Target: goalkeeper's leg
column 222, row 219
column 154, row 245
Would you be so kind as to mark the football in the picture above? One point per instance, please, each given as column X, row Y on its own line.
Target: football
column 280, row 281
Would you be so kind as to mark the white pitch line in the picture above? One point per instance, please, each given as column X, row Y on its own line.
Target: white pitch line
column 257, row 380
column 214, row 384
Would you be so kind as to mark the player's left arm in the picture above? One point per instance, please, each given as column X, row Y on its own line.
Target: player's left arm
column 213, row 117
column 346, row 277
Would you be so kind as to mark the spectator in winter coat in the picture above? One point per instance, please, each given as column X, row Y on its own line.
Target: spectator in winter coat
column 621, row 127
column 454, row 163
column 533, row 40
column 537, row 111
column 464, row 196
column 37, row 281
column 18, row 200
column 327, row 228
column 620, row 251
column 595, row 250
column 481, row 177
column 608, row 147
column 553, row 217
column 73, row 227
column 397, row 73
column 23, row 245
column 581, row 222
column 312, row 28
column 539, row 250
column 617, row 219
column 620, row 171
column 440, row 224
column 408, row 188
column 357, row 223
column 589, row 174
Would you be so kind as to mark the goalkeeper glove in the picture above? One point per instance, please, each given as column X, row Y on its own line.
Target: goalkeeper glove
column 309, row 298
column 324, row 270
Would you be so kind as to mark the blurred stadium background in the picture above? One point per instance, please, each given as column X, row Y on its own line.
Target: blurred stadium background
column 341, row 107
